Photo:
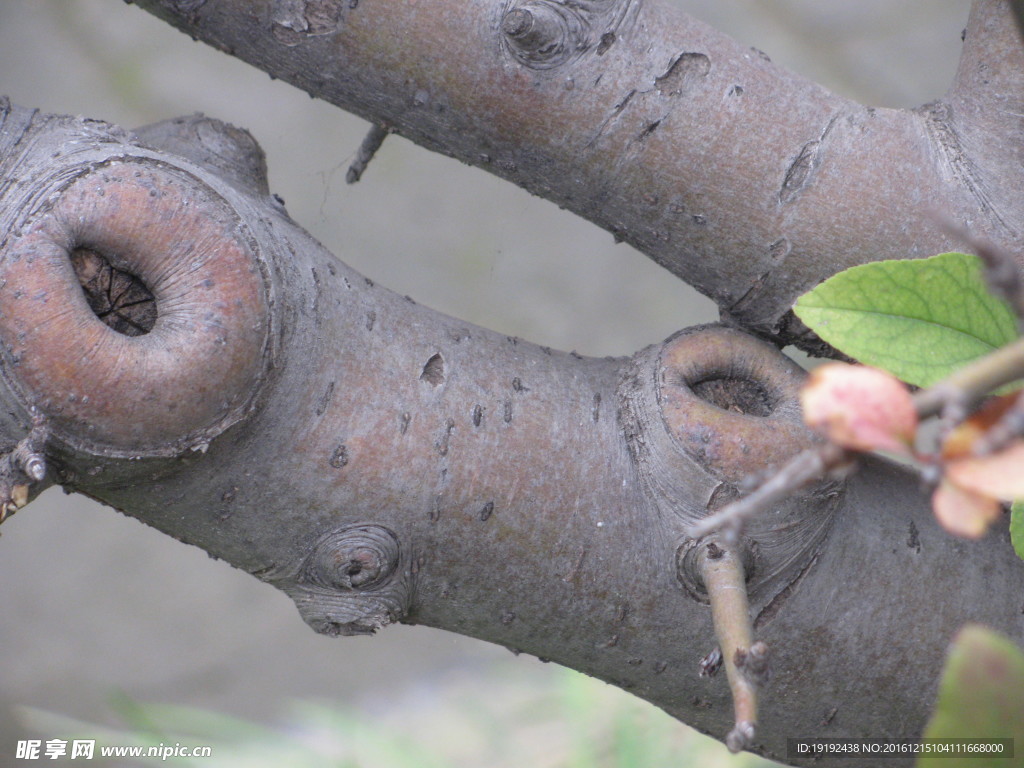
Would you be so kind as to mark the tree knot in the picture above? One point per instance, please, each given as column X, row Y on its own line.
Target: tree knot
column 352, row 581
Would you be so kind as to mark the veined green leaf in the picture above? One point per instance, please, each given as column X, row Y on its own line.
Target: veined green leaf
column 919, row 319
column 1017, row 528
column 981, row 696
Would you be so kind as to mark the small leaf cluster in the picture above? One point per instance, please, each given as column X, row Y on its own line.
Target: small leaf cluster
column 917, row 322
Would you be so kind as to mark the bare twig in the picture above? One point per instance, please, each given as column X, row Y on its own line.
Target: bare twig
column 975, row 381
column 371, row 143
column 953, row 398
column 745, row 661
column 802, row 469
column 1002, row 272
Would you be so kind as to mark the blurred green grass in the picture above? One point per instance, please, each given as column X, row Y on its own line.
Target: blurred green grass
column 572, row 722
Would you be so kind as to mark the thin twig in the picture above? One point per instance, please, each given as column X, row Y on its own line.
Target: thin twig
column 806, row 467
column 725, row 581
column 957, row 394
column 371, row 143
column 1002, row 273
column 974, row 382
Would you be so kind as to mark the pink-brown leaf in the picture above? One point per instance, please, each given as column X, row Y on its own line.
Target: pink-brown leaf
column 963, row 512
column 1000, row 475
column 860, row 408
column 961, row 441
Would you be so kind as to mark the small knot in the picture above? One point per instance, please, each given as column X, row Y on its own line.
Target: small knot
column 355, row 558
column 542, row 34
column 518, row 23
column 352, row 582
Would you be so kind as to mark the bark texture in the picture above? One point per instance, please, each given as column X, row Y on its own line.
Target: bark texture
column 749, row 182
column 380, row 462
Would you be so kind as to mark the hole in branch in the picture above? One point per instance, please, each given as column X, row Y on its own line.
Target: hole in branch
column 118, row 298
column 735, row 394
column 433, row 371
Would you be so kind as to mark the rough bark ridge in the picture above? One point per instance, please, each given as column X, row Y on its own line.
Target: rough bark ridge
column 177, row 347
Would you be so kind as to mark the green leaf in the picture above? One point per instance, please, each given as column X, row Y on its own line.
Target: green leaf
column 981, row 696
column 919, row 319
column 1017, row 528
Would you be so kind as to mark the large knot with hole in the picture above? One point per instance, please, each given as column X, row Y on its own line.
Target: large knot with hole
column 352, row 581
column 705, row 412
column 731, row 401
column 133, row 309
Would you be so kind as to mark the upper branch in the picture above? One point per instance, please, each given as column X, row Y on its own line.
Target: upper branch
column 747, row 181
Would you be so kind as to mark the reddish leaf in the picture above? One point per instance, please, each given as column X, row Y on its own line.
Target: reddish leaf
column 963, row 512
column 1000, row 475
column 860, row 408
column 960, row 442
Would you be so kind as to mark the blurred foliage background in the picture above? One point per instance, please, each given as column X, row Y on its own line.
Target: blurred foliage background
column 99, row 609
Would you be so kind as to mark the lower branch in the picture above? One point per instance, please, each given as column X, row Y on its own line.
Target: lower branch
column 379, row 462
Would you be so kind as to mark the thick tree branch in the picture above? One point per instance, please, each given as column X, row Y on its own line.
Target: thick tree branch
column 749, row 182
column 380, row 462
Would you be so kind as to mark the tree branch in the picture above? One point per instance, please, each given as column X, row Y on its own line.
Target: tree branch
column 750, row 183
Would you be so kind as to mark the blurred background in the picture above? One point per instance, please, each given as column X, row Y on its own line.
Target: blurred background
column 103, row 617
